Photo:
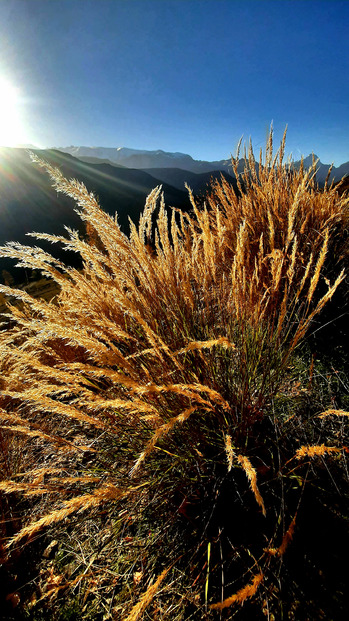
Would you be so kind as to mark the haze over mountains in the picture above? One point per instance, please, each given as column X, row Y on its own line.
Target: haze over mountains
column 146, row 160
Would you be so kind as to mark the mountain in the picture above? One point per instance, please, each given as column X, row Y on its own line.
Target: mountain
column 97, row 160
column 29, row 203
column 199, row 183
column 322, row 169
column 136, row 158
column 146, row 160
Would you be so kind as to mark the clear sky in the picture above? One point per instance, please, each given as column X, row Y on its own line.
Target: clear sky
column 178, row 75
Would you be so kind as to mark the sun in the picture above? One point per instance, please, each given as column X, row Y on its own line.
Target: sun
column 11, row 128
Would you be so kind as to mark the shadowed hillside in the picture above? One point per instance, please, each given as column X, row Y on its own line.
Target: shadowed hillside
column 198, row 182
column 29, row 203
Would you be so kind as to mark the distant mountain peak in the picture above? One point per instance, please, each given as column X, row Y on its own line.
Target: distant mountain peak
column 309, row 158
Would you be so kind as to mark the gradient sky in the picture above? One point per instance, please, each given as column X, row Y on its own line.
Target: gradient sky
column 178, row 75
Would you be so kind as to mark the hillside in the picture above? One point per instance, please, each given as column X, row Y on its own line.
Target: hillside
column 198, row 182
column 29, row 203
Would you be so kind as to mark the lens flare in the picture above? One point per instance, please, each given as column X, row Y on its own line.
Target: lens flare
column 11, row 127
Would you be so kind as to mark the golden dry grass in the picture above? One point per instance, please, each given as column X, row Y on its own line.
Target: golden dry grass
column 242, row 595
column 174, row 339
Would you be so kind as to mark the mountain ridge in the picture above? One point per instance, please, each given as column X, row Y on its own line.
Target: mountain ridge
column 158, row 159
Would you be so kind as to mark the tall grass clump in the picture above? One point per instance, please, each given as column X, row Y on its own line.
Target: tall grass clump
column 148, row 384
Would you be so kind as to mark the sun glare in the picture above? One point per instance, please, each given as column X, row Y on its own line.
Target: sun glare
column 11, row 128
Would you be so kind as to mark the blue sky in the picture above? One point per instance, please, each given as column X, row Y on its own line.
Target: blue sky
column 178, row 75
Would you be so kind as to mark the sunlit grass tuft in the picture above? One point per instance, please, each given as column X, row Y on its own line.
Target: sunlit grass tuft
column 162, row 358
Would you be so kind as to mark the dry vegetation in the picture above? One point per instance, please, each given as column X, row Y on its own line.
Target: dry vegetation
column 159, row 417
